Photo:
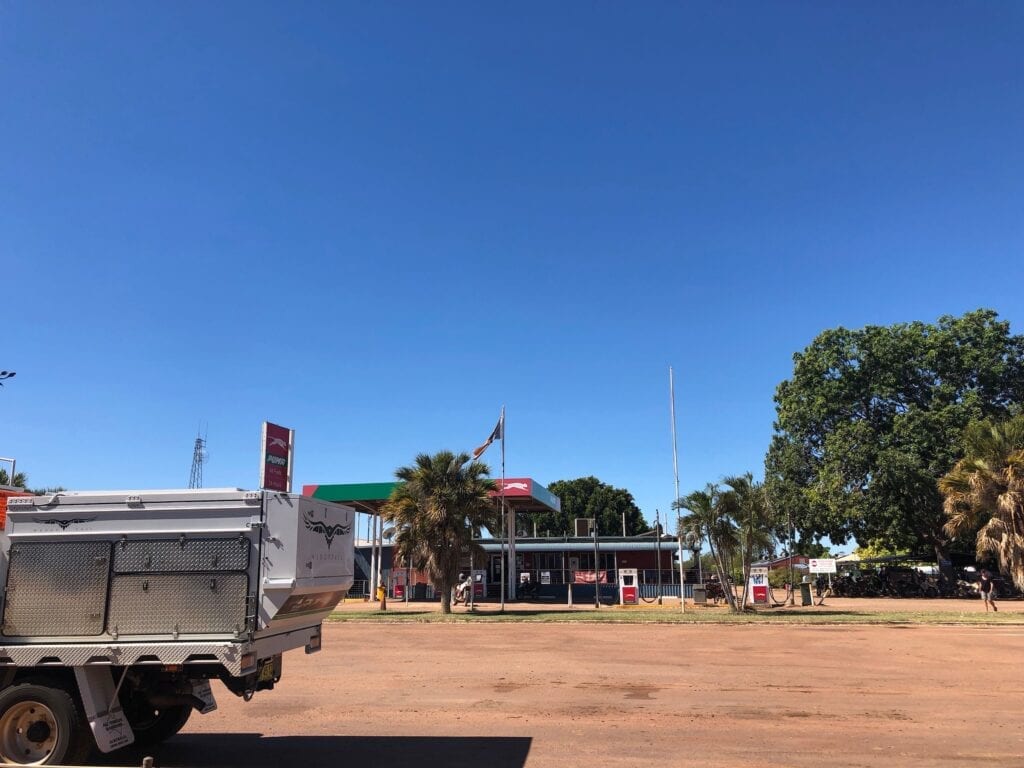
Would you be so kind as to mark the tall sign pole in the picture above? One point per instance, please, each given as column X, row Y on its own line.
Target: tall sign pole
column 504, row 582
column 675, row 471
column 657, row 546
column 510, row 525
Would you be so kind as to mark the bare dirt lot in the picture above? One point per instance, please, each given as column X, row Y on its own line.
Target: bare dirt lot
column 513, row 695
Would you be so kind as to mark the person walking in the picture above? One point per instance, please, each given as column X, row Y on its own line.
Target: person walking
column 988, row 590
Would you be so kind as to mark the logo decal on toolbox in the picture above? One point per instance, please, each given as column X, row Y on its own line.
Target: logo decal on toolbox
column 328, row 531
column 63, row 523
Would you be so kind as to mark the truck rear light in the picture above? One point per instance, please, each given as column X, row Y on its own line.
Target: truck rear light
column 248, row 661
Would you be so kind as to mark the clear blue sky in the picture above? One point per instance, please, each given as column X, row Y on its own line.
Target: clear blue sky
column 378, row 222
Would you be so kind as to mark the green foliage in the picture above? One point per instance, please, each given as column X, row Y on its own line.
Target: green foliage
column 872, row 550
column 589, row 497
column 735, row 520
column 20, row 479
column 438, row 508
column 812, row 549
column 984, row 493
column 871, row 418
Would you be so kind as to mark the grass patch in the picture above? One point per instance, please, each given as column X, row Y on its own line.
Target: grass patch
column 822, row 616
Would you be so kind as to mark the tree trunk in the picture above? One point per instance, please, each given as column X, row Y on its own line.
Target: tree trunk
column 944, row 563
column 446, row 597
column 723, row 577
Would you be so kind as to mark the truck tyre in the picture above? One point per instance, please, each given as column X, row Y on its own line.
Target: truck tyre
column 152, row 725
column 41, row 723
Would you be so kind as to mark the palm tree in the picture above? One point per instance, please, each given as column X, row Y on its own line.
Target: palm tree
column 19, row 479
column 438, row 508
column 706, row 520
column 746, row 503
column 985, row 493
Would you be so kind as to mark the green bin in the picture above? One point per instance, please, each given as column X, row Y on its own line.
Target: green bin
column 805, row 594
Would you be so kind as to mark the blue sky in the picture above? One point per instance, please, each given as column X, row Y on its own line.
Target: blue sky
column 378, row 222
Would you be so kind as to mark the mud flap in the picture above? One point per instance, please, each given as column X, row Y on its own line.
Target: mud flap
column 110, row 727
column 204, row 692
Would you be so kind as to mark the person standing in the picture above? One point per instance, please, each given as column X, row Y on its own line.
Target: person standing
column 988, row 590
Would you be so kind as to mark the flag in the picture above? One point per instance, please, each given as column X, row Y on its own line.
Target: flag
column 497, row 434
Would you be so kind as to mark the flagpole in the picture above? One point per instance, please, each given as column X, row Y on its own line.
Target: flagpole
column 675, row 471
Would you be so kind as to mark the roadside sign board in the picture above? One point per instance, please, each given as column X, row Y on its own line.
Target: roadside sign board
column 821, row 565
column 276, row 458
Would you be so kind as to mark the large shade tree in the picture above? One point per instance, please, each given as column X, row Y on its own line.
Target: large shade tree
column 439, row 506
column 588, row 497
column 872, row 418
column 984, row 492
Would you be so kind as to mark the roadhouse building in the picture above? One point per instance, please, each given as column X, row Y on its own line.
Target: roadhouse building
column 542, row 567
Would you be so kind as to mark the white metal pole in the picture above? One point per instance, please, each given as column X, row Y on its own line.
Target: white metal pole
column 675, row 471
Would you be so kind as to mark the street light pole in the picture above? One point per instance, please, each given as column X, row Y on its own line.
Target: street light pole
column 597, row 563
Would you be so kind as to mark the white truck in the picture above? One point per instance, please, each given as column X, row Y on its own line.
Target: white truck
column 120, row 607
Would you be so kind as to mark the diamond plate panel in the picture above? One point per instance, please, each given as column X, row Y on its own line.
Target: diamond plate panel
column 126, row 654
column 56, row 589
column 191, row 555
column 183, row 603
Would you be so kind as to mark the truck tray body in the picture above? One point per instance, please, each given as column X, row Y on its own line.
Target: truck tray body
column 169, row 577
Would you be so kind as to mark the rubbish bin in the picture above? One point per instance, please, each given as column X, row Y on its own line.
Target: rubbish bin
column 805, row 594
column 700, row 594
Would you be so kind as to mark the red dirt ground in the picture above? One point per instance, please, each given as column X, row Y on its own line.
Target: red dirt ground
column 600, row 696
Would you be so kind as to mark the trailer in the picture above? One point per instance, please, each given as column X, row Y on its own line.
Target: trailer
column 120, row 607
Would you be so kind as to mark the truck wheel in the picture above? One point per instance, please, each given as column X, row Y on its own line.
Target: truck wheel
column 152, row 726
column 42, row 724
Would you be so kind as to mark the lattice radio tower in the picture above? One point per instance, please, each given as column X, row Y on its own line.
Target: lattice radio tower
column 195, row 479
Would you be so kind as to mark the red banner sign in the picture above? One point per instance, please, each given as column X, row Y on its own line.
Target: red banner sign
column 587, row 577
column 276, row 469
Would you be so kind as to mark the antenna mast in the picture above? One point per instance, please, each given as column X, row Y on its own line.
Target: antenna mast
column 195, row 479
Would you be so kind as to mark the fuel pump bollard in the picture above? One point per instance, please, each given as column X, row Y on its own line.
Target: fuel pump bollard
column 628, row 589
column 382, row 597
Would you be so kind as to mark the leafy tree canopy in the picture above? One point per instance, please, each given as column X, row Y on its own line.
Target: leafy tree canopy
column 871, row 418
column 589, row 497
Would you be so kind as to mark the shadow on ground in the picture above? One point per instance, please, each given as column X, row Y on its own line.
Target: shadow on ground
column 226, row 750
